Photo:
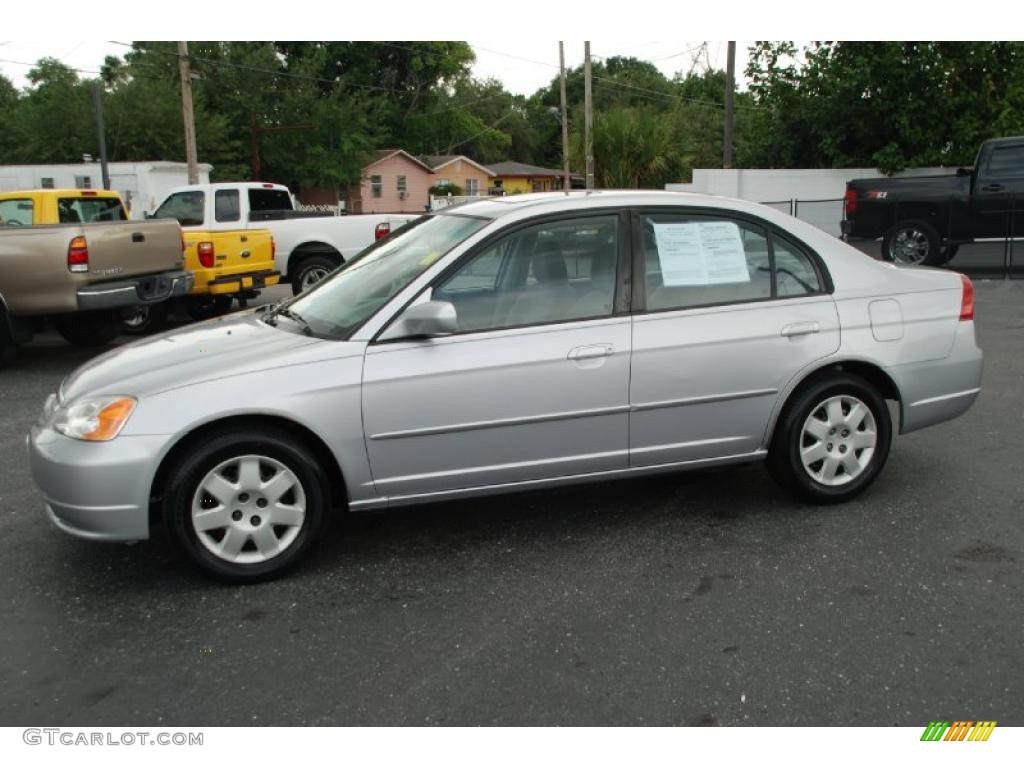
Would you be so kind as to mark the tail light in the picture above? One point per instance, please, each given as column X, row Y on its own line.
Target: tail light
column 206, row 253
column 851, row 202
column 78, row 255
column 382, row 230
column 967, row 299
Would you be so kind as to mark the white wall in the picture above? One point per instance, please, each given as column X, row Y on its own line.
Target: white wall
column 779, row 186
column 144, row 184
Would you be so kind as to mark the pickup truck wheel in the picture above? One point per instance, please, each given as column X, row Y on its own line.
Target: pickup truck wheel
column 203, row 307
column 911, row 243
column 143, row 319
column 246, row 505
column 89, row 329
column 831, row 440
column 8, row 348
column 311, row 271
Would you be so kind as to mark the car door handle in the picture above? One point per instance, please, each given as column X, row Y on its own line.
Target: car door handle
column 590, row 351
column 800, row 329
column 993, row 188
column 138, row 237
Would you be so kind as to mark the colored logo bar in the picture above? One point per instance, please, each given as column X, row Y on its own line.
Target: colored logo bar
column 959, row 730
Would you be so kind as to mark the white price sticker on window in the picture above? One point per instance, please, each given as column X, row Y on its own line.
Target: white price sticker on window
column 701, row 253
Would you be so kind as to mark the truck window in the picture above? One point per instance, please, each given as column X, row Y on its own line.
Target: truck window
column 269, row 200
column 1007, row 161
column 85, row 210
column 16, row 213
column 225, row 205
column 186, row 207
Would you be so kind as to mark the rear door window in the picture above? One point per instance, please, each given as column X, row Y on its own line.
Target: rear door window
column 1007, row 162
column 16, row 213
column 87, row 210
column 225, row 205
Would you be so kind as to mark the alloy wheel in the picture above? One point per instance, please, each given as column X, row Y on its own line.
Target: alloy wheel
column 910, row 246
column 838, row 440
column 248, row 509
column 312, row 276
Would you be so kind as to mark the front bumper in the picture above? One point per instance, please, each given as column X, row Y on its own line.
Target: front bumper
column 146, row 289
column 97, row 491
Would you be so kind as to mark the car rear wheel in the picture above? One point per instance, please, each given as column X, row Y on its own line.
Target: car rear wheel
column 246, row 505
column 311, row 271
column 832, row 439
column 912, row 243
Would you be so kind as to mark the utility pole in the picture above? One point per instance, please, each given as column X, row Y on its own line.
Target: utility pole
column 101, row 137
column 588, row 117
column 567, row 183
column 730, row 94
column 187, row 114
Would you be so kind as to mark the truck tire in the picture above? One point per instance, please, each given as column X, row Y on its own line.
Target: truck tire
column 312, row 269
column 203, row 307
column 143, row 319
column 913, row 242
column 8, row 347
column 89, row 329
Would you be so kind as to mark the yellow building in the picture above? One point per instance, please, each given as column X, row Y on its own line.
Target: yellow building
column 515, row 178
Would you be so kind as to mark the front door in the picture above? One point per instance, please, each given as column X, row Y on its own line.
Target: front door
column 534, row 385
column 733, row 312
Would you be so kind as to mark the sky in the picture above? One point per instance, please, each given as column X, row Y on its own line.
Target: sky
column 522, row 67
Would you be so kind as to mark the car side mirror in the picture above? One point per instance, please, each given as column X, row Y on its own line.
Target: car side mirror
column 964, row 171
column 422, row 321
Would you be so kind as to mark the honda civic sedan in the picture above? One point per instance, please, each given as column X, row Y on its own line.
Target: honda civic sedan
column 510, row 344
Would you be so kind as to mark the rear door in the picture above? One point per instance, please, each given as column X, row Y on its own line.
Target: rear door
column 728, row 311
column 999, row 191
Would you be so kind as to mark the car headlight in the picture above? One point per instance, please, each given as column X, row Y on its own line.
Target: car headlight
column 94, row 418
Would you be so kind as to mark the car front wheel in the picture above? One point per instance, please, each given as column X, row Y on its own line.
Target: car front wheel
column 832, row 440
column 246, row 505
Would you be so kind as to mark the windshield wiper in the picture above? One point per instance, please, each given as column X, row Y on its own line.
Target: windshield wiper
column 294, row 317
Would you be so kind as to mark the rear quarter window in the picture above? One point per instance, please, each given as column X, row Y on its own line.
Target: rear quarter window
column 269, row 200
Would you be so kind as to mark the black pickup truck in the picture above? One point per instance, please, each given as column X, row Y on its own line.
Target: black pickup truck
column 924, row 219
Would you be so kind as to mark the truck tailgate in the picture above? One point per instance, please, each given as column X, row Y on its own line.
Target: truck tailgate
column 247, row 255
column 131, row 248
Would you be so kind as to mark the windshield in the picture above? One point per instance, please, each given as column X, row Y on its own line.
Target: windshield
column 336, row 306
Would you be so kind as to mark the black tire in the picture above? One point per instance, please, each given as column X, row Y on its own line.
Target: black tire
column 8, row 349
column 89, row 329
column 785, row 461
column 913, row 242
column 310, row 267
column 205, row 306
column 185, row 482
column 948, row 253
column 143, row 319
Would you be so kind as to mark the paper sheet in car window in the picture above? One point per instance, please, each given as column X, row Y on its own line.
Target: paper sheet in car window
column 701, row 253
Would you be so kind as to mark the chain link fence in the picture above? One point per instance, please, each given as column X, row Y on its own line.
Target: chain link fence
column 1001, row 257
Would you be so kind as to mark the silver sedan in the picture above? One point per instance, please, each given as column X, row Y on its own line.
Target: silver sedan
column 508, row 344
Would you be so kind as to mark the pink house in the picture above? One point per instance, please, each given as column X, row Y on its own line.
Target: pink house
column 395, row 182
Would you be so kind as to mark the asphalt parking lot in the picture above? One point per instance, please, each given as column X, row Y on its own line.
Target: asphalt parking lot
column 703, row 598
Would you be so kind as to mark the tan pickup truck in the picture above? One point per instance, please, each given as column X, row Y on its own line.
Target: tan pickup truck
column 79, row 272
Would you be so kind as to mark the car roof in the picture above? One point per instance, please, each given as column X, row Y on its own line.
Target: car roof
column 537, row 203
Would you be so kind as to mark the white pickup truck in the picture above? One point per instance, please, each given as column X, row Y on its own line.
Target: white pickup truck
column 309, row 244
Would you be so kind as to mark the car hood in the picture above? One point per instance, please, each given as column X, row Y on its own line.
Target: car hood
column 219, row 348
